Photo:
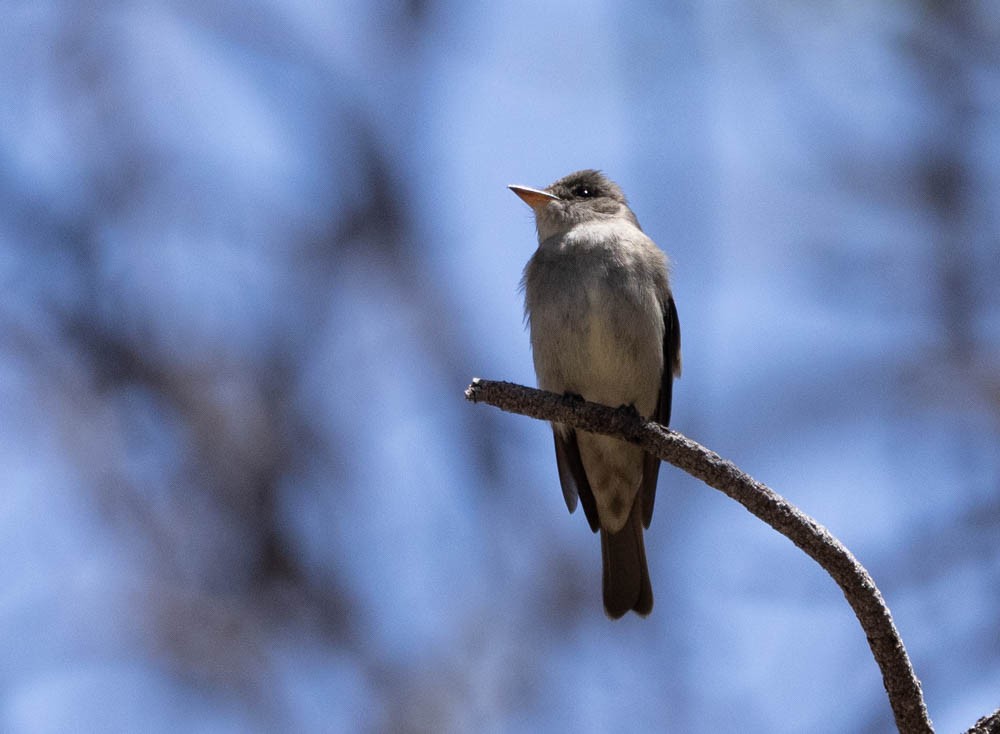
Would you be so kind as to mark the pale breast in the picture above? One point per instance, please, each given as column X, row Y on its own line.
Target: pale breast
column 596, row 319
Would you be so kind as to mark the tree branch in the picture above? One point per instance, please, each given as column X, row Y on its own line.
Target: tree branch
column 987, row 725
column 901, row 684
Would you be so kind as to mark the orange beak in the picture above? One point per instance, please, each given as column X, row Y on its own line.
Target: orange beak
column 535, row 198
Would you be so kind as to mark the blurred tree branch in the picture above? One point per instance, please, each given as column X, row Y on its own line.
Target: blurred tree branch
column 901, row 683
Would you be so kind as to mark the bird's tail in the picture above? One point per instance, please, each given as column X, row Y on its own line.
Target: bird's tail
column 626, row 577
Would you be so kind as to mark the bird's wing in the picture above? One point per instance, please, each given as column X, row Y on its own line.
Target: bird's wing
column 572, row 476
column 671, row 367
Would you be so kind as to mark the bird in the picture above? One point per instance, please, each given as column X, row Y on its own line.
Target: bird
column 603, row 327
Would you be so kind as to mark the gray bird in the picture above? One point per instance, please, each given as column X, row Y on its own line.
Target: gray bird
column 604, row 327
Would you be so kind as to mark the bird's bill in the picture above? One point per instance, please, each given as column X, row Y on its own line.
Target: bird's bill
column 535, row 198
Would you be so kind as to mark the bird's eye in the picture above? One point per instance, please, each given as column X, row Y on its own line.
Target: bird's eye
column 584, row 192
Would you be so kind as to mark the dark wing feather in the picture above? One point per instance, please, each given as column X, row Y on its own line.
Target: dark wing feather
column 671, row 365
column 572, row 476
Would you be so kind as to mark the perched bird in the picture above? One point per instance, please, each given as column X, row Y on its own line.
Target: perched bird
column 604, row 327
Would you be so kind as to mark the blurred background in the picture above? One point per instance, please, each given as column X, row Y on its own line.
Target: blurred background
column 252, row 253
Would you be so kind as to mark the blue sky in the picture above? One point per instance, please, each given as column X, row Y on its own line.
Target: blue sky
column 252, row 255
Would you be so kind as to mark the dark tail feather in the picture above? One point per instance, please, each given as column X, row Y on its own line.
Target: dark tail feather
column 626, row 577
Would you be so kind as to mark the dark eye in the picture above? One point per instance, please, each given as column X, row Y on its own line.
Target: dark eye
column 584, row 192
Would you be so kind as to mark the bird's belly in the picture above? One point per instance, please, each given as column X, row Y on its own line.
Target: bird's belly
column 604, row 346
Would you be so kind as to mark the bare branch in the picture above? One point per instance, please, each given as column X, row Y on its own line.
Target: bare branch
column 901, row 684
column 987, row 725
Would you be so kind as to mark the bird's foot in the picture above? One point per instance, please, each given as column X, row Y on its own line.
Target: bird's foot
column 630, row 411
